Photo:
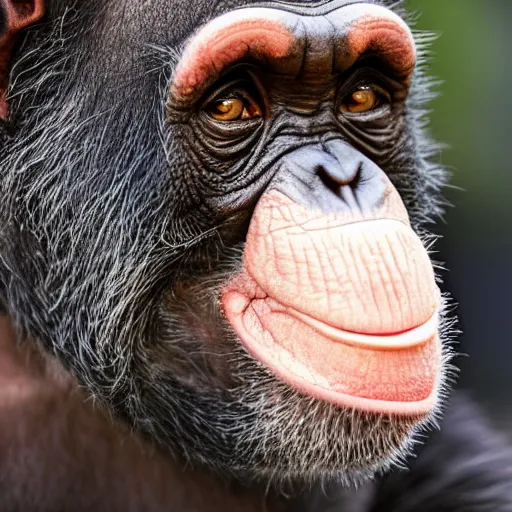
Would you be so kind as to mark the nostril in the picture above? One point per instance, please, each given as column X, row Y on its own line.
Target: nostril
column 354, row 183
column 327, row 180
column 335, row 177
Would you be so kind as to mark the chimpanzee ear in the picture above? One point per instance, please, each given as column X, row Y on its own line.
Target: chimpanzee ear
column 15, row 15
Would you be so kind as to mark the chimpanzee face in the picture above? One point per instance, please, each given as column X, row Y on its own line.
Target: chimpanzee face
column 213, row 215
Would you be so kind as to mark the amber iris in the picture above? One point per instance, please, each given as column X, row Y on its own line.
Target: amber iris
column 234, row 109
column 364, row 99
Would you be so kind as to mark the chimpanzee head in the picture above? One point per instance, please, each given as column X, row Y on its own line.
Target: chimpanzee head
column 213, row 214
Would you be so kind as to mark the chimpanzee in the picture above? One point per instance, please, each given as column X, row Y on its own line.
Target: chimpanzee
column 214, row 271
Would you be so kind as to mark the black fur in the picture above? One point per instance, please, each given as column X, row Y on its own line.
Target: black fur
column 465, row 466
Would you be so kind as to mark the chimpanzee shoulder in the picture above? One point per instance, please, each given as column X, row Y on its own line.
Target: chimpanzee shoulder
column 465, row 466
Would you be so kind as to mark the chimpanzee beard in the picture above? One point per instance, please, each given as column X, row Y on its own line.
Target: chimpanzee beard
column 93, row 257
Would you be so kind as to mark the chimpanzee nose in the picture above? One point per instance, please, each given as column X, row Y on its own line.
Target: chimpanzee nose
column 343, row 168
column 331, row 177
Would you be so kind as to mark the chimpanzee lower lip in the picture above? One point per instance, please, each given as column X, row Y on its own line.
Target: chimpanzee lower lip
column 396, row 375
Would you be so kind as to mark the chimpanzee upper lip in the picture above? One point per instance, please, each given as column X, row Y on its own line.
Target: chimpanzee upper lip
column 408, row 338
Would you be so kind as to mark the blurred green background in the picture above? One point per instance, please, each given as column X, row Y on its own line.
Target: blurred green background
column 473, row 116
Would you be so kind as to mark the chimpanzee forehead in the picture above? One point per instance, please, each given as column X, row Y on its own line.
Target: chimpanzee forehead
column 186, row 15
column 313, row 7
column 303, row 7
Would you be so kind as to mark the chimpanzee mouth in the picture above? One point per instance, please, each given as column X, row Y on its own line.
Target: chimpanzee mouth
column 342, row 308
column 396, row 373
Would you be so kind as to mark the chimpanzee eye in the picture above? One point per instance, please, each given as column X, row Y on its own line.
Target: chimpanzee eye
column 234, row 109
column 364, row 99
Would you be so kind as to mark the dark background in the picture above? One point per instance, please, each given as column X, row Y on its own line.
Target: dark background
column 473, row 115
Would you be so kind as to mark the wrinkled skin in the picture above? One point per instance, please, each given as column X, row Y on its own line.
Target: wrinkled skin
column 119, row 231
